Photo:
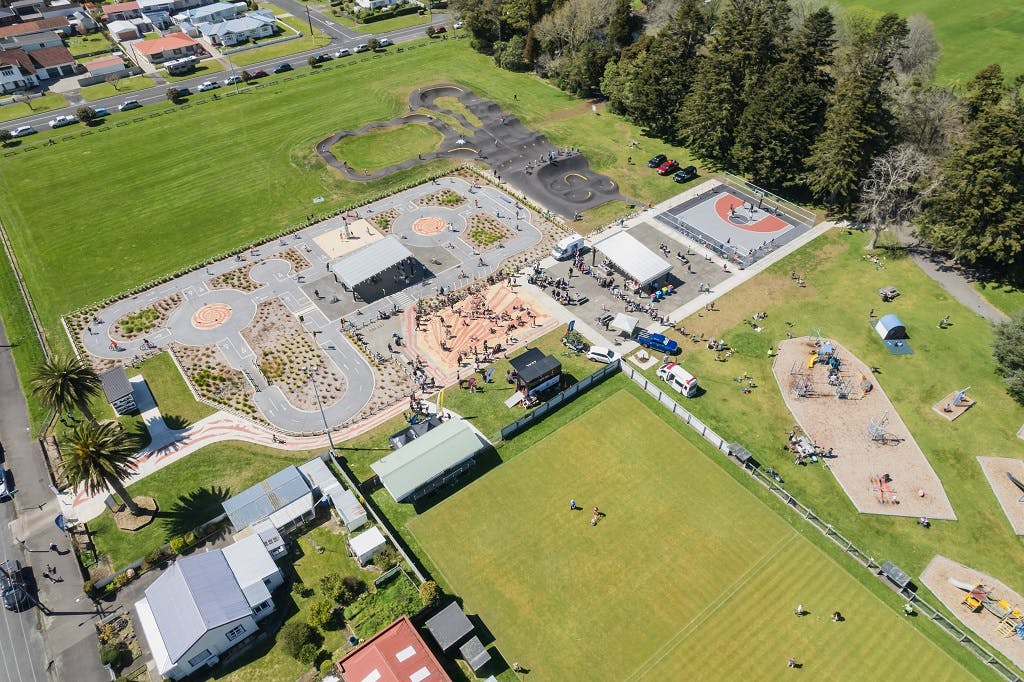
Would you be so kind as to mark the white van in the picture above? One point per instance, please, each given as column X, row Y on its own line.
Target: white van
column 567, row 247
column 679, row 379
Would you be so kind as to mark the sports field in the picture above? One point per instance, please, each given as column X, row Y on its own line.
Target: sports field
column 688, row 576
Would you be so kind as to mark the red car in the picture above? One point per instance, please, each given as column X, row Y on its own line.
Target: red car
column 668, row 167
column 257, row 74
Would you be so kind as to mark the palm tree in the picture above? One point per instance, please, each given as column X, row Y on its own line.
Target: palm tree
column 99, row 456
column 63, row 383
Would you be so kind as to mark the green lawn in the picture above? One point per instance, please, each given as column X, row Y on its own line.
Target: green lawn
column 688, row 576
column 47, row 102
column 177, row 406
column 103, row 90
column 262, row 54
column 87, row 44
column 1006, row 297
column 386, row 25
column 298, row 23
column 385, row 147
column 453, row 105
column 972, row 35
column 840, row 293
column 189, row 493
column 206, row 67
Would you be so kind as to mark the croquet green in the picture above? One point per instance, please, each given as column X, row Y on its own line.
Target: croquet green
column 378, row 149
column 686, row 576
column 972, row 34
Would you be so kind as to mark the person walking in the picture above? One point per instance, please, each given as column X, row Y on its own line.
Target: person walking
column 572, row 505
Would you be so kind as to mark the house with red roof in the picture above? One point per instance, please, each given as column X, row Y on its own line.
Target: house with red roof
column 171, row 46
column 395, row 654
column 21, row 70
column 122, row 11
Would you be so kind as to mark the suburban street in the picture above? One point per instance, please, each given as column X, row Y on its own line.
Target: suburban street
column 340, row 36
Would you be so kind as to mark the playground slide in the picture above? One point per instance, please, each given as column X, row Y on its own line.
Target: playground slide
column 966, row 587
column 811, row 360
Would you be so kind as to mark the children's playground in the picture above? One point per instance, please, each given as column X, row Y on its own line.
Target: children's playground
column 1006, row 476
column 838, row 403
column 983, row 604
column 738, row 222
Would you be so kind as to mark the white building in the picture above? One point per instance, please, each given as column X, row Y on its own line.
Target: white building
column 367, row 545
column 209, row 13
column 285, row 499
column 344, row 501
column 205, row 604
column 258, row 24
column 378, row 4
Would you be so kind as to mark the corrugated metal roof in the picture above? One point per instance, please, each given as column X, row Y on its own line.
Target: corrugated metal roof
column 449, row 626
column 372, row 259
column 347, row 505
column 115, row 383
column 266, row 497
column 421, row 461
column 196, row 594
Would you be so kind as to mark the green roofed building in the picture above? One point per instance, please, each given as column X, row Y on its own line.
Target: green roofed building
column 433, row 460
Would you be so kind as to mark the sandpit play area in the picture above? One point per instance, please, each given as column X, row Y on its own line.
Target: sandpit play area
column 839, row 405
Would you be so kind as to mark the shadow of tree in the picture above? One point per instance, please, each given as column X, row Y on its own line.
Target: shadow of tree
column 139, row 435
column 176, row 422
column 191, row 510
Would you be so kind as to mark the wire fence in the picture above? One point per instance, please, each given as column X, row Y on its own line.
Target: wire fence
column 774, row 201
column 825, row 528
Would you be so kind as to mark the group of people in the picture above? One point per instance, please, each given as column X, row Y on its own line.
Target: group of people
column 597, row 515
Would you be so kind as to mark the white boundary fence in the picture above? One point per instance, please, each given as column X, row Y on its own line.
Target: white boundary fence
column 826, row 529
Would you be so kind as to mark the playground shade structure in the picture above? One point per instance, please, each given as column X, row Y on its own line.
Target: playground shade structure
column 633, row 258
column 373, row 259
column 893, row 334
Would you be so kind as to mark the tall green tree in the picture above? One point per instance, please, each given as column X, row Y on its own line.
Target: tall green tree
column 65, row 383
column 99, row 457
column 1008, row 350
column 621, row 25
column 977, row 212
column 985, row 90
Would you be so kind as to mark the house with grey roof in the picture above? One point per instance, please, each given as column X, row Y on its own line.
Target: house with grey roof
column 285, row 499
column 233, row 31
column 118, row 390
column 205, row 604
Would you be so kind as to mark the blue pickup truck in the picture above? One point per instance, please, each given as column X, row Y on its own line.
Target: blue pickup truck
column 657, row 342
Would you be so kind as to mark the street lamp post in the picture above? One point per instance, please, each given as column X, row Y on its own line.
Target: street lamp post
column 311, row 371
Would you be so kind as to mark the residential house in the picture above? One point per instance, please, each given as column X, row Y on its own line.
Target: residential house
column 21, row 70
column 210, row 13
column 28, row 10
column 204, row 604
column 172, row 46
column 118, row 390
column 258, row 24
column 344, row 501
column 122, row 11
column 285, row 498
column 395, row 654
column 378, row 4
column 103, row 66
column 58, row 24
column 124, row 29
column 32, row 41
column 8, row 16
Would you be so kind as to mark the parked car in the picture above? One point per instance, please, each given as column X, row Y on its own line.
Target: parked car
column 259, row 73
column 686, row 174
column 385, row 42
column 362, row 47
column 100, row 112
column 343, row 52
column 282, row 68
column 658, row 342
column 657, row 161
column 668, row 167
column 12, row 585
column 182, row 91
column 5, row 488
column 128, row 105
column 232, row 79
column 62, row 121
column 22, row 131
column 602, row 354
column 208, row 85
column 457, row 25
column 679, row 379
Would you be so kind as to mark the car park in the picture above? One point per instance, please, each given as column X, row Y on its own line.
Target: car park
column 657, row 161
column 22, row 131
column 208, row 85
column 232, row 79
column 12, row 585
column 602, row 354
column 668, row 167
column 62, row 121
column 685, row 174
column 100, row 112
column 343, row 52
column 128, row 105
column 385, row 42
column 362, row 47
column 281, row 68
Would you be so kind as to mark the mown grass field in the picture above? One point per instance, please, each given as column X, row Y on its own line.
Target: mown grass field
column 125, row 85
column 688, row 576
column 385, row 147
column 972, row 34
column 840, row 293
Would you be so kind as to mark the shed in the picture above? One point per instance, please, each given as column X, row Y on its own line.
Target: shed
column 319, row 476
column 118, row 390
column 285, row 498
column 429, row 462
column 475, row 653
column 449, row 626
column 633, row 258
column 742, row 455
column 367, row 545
column 536, row 371
column 351, row 512
column 362, row 264
column 893, row 334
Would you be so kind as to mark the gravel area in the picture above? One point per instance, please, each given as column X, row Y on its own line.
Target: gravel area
column 1006, row 492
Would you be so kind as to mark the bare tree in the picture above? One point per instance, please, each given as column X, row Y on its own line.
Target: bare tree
column 896, row 186
column 921, row 51
column 24, row 98
column 573, row 24
column 928, row 117
column 114, row 79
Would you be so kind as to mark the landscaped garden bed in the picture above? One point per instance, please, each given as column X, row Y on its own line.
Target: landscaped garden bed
column 285, row 352
column 445, row 197
column 485, row 231
column 384, row 219
column 214, row 379
column 240, row 279
column 149, row 319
